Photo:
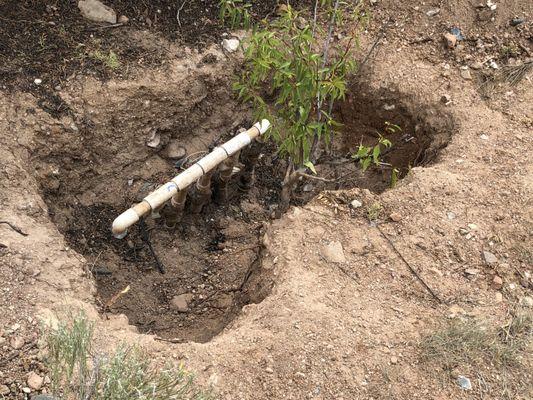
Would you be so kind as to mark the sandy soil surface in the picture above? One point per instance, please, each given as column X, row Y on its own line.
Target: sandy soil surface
column 335, row 300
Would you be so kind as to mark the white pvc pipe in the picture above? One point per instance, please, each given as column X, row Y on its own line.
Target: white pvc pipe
column 160, row 196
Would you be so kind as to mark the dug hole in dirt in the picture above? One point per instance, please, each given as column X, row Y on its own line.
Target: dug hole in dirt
column 124, row 143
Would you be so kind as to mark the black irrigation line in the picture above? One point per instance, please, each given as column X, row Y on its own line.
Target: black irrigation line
column 145, row 236
column 15, row 228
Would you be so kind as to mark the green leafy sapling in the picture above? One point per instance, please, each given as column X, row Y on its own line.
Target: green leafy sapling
column 236, row 13
column 293, row 73
column 372, row 155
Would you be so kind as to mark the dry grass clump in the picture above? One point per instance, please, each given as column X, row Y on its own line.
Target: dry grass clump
column 79, row 374
column 498, row 358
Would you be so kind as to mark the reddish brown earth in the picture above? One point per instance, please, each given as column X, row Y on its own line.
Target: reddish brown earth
column 271, row 313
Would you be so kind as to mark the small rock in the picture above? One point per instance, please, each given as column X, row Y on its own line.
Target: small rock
column 471, row 271
column 476, row 65
column 230, row 45
column 396, row 217
column 154, row 139
column 464, row 382
column 457, row 33
column 389, row 107
column 175, row 150
column 34, row 381
column 123, row 20
column 38, row 81
column 450, row 39
column 4, row 390
column 472, row 227
column 483, row 137
column 497, row 282
column 493, row 64
column 356, row 204
column 466, row 75
column 95, row 11
column 451, row 215
column 517, row 21
column 455, row 310
column 446, row 99
column 492, row 6
column 433, row 12
column 334, row 252
column 269, row 370
column 16, row 342
column 181, row 302
column 498, row 297
column 26, row 390
column 489, row 258
column 526, row 301
column 394, row 360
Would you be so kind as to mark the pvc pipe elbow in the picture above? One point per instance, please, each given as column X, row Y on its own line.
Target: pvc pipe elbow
column 123, row 222
column 263, row 126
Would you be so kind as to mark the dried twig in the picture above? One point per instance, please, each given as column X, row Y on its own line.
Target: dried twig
column 175, row 340
column 413, row 271
column 14, row 227
column 510, row 75
column 178, row 13
column 515, row 73
column 115, row 297
column 102, row 27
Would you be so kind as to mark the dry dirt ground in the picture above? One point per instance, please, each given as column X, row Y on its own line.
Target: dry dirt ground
column 323, row 303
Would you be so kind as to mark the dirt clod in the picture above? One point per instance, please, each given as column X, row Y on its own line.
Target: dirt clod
column 333, row 252
column 181, row 302
column 35, row 381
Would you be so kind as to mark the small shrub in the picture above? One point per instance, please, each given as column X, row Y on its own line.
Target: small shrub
column 110, row 60
column 293, row 73
column 374, row 211
column 292, row 77
column 78, row 374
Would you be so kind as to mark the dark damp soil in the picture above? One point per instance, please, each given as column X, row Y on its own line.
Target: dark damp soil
column 51, row 41
column 417, row 132
column 214, row 258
